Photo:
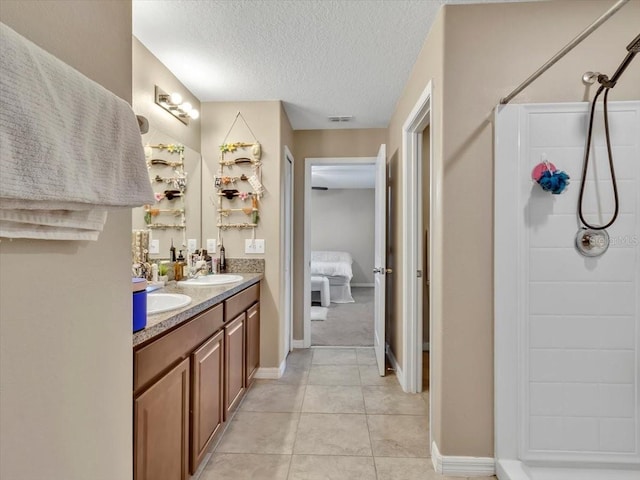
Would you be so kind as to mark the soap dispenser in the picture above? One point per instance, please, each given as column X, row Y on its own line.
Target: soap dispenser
column 178, row 271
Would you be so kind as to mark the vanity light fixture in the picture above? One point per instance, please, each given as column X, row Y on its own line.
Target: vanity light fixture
column 173, row 104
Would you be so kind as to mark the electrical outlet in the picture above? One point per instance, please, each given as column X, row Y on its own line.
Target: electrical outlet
column 211, row 245
column 192, row 244
column 154, row 247
column 254, row 246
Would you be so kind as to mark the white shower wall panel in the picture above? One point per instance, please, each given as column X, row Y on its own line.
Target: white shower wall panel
column 569, row 324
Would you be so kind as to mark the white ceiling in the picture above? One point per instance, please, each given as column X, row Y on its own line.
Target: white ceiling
column 320, row 57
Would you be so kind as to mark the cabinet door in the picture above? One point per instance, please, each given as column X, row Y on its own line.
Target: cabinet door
column 161, row 422
column 234, row 340
column 253, row 343
column 207, row 386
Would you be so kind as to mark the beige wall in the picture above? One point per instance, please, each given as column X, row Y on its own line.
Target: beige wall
column 65, row 307
column 318, row 144
column 265, row 121
column 164, row 128
column 148, row 72
column 428, row 67
column 349, row 211
column 488, row 50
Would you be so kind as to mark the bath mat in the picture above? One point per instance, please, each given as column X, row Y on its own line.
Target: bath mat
column 319, row 313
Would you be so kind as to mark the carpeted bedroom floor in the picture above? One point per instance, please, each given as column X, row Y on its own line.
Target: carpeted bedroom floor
column 347, row 324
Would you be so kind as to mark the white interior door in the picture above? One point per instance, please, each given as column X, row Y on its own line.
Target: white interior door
column 288, row 247
column 379, row 256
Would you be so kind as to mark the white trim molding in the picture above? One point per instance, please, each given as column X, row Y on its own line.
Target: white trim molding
column 461, row 466
column 412, row 233
column 396, row 367
column 306, row 242
column 297, row 343
column 272, row 373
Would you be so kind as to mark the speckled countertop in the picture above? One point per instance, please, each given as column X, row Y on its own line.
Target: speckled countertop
column 201, row 299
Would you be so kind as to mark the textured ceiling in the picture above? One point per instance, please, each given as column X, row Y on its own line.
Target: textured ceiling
column 320, row 57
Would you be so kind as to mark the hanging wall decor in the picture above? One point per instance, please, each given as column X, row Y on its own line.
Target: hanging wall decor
column 238, row 183
column 169, row 181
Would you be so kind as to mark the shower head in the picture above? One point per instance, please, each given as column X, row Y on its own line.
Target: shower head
column 634, row 46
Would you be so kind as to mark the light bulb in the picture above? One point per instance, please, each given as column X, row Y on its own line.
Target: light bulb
column 195, row 114
column 176, row 98
column 186, row 107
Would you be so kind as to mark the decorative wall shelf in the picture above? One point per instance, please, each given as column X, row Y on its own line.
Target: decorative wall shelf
column 169, row 181
column 238, row 183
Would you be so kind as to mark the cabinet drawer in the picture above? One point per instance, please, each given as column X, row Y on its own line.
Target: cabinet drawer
column 153, row 359
column 237, row 304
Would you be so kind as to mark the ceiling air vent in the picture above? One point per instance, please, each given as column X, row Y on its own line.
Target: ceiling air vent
column 340, row 118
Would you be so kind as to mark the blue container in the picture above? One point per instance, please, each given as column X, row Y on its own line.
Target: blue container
column 139, row 304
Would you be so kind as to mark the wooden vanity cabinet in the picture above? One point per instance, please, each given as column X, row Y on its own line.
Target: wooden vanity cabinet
column 253, row 343
column 207, row 395
column 161, row 419
column 187, row 382
column 234, row 340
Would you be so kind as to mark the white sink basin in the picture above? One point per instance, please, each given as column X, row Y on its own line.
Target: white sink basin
column 164, row 302
column 210, row 280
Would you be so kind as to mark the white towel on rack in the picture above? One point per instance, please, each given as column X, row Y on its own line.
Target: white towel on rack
column 66, row 144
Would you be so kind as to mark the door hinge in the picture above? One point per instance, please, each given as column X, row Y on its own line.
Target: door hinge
column 419, row 273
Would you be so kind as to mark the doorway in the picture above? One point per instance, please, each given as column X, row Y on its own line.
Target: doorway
column 339, row 223
column 420, row 180
column 287, row 245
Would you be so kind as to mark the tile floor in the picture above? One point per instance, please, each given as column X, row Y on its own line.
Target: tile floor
column 329, row 417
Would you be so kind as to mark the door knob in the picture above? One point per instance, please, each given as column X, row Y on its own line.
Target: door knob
column 382, row 270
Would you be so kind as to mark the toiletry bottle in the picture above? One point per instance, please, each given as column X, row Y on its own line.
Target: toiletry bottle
column 223, row 260
column 178, row 271
column 172, row 252
column 207, row 258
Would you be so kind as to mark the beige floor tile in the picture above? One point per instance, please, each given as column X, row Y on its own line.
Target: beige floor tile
column 334, row 375
column 399, row 435
column 235, row 466
column 269, row 397
column 334, row 356
column 326, row 467
column 392, row 400
column 300, row 357
column 293, row 375
column 332, row 434
column 408, row 469
column 369, row 375
column 366, row 356
column 333, row 399
column 257, row 432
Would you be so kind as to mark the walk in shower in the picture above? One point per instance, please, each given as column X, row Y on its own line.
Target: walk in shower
column 567, row 331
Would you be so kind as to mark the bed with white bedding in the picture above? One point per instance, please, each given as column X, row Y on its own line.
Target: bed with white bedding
column 336, row 266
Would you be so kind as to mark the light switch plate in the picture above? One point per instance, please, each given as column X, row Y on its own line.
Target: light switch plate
column 254, row 246
column 192, row 244
column 154, row 247
column 211, row 245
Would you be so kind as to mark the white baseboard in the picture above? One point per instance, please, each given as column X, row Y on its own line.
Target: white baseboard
column 461, row 466
column 396, row 367
column 425, row 346
column 272, row 373
column 297, row 344
column 370, row 285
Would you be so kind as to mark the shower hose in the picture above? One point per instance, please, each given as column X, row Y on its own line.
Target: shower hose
column 585, row 165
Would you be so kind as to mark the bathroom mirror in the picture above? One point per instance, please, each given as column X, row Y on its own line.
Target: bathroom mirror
column 164, row 219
